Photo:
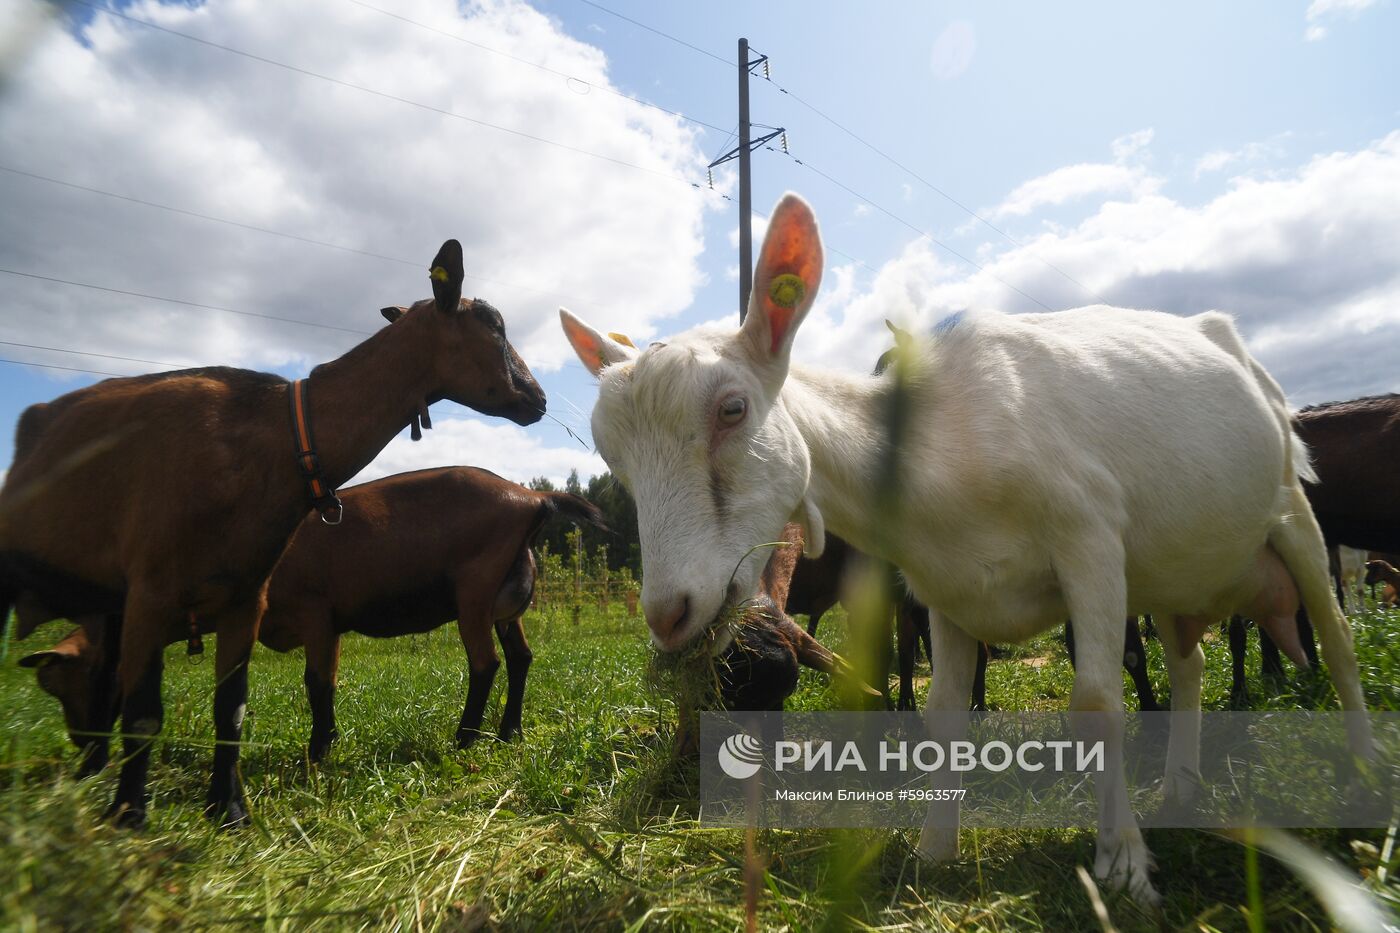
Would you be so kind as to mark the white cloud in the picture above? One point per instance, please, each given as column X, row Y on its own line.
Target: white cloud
column 1320, row 10
column 1073, row 182
column 1247, row 154
column 129, row 109
column 1306, row 261
column 907, row 191
column 1069, row 183
column 953, row 50
column 861, row 209
column 501, row 448
column 759, row 226
column 1130, row 144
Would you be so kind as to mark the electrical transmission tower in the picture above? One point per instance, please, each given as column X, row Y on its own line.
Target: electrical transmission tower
column 742, row 152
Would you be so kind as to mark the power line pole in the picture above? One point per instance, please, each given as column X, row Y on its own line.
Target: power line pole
column 742, row 152
column 745, row 185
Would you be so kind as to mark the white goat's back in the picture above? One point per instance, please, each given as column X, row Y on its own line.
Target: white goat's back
column 1160, row 426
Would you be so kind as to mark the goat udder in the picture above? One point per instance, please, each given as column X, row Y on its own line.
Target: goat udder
column 1273, row 606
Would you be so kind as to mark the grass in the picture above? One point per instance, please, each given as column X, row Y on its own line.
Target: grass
column 587, row 823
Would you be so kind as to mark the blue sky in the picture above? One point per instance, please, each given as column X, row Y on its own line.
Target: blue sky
column 1188, row 156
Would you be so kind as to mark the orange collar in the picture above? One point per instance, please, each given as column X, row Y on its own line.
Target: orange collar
column 323, row 497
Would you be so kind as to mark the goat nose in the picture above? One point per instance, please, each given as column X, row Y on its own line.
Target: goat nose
column 668, row 617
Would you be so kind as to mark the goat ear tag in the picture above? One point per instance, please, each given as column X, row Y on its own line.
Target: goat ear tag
column 622, row 339
column 786, row 290
column 785, row 293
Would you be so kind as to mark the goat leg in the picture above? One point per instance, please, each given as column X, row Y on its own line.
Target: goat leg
column 1239, row 645
column 322, row 665
column 103, row 701
column 978, row 703
column 1135, row 663
column 139, row 671
column 482, row 664
column 518, row 658
column 906, row 644
column 236, row 628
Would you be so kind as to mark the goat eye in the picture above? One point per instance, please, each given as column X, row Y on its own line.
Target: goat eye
column 732, row 410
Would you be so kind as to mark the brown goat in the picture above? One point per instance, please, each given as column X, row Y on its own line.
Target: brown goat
column 1379, row 571
column 1355, row 446
column 164, row 497
column 414, row 552
column 759, row 669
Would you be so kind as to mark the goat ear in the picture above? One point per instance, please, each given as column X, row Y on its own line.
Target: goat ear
column 785, row 280
column 812, row 653
column 809, row 517
column 595, row 350
column 393, row 313
column 42, row 658
column 446, row 274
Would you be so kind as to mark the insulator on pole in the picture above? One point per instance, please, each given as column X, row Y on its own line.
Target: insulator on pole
column 711, row 174
column 785, row 146
column 767, row 71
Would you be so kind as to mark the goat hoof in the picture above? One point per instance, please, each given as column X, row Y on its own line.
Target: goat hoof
column 1126, row 869
column 511, row 734
column 317, row 749
column 466, row 740
column 124, row 815
column 89, row 768
column 227, row 814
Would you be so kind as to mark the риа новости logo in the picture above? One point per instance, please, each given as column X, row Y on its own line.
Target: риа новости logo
column 740, row 756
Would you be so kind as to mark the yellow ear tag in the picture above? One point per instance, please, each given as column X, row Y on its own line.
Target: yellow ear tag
column 623, row 339
column 786, row 290
column 438, row 273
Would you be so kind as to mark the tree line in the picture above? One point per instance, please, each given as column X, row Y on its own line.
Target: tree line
column 623, row 544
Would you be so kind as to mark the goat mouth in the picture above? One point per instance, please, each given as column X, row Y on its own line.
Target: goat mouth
column 522, row 412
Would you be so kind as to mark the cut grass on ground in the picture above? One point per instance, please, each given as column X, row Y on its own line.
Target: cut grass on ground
column 586, row 823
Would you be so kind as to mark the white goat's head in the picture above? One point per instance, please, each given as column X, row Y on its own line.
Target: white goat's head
column 693, row 428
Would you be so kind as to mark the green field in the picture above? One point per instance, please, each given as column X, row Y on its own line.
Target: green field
column 586, row 823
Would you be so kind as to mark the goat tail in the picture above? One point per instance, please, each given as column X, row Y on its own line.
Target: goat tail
column 1297, row 539
column 575, row 508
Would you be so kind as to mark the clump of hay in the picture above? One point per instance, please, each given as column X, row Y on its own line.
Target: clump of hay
column 693, row 675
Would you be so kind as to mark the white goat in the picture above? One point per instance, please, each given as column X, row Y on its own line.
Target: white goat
column 1092, row 464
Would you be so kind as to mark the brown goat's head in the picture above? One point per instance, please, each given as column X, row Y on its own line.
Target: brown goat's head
column 68, row 671
column 1378, row 570
column 472, row 361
